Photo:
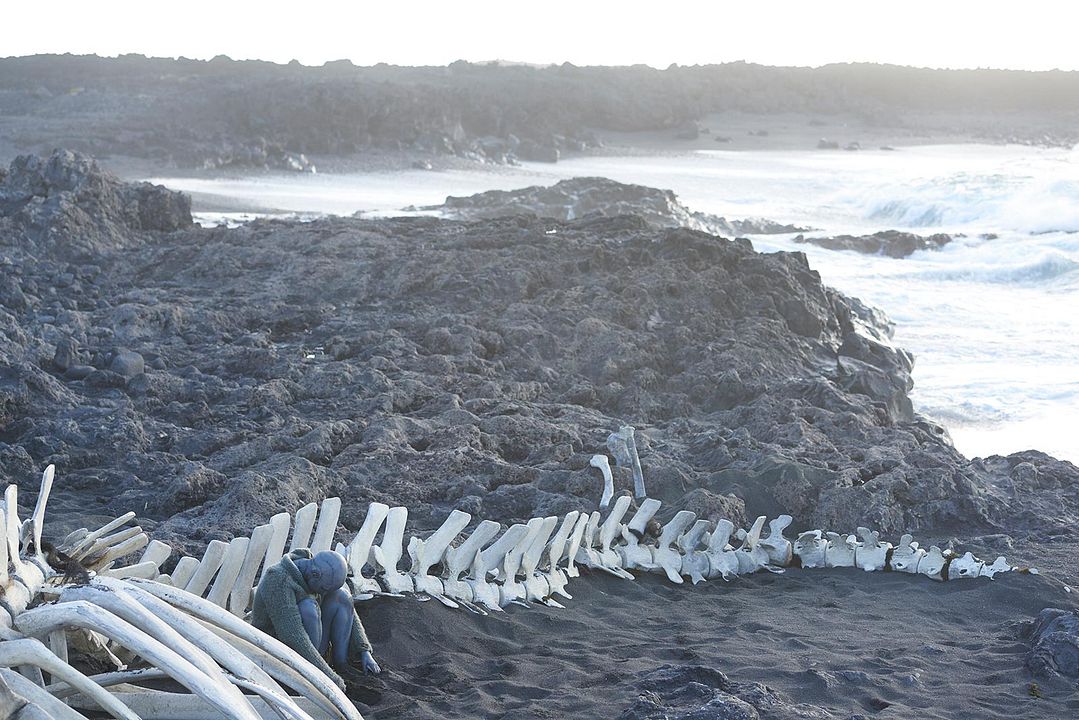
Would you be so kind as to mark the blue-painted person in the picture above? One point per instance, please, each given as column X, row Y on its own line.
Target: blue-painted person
column 302, row 601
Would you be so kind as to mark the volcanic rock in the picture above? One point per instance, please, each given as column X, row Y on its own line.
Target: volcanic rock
column 893, row 243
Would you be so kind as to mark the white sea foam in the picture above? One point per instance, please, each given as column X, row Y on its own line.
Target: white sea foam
column 991, row 321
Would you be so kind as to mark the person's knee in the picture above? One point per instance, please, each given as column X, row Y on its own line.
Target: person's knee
column 339, row 599
column 309, row 611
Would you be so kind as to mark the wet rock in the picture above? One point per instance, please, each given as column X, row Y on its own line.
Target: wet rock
column 695, row 692
column 1054, row 644
column 892, row 243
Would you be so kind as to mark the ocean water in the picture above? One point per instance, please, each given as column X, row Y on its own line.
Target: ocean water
column 992, row 322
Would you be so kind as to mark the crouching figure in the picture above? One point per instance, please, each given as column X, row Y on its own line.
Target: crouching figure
column 302, row 602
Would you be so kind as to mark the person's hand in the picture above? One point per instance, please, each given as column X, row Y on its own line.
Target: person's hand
column 367, row 662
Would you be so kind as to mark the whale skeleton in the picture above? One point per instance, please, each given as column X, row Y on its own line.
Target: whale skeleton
column 103, row 590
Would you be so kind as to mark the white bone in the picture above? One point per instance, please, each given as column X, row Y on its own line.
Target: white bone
column 4, row 551
column 932, row 565
column 211, row 561
column 459, row 559
column 184, row 570
column 871, row 554
column 37, row 519
column 327, row 525
column 243, row 587
column 695, row 562
column 88, row 540
column 611, row 528
column 722, row 559
column 388, row 554
column 604, row 465
column 665, row 557
column 118, row 551
column 840, row 551
column 51, row 708
column 779, row 548
column 965, row 567
column 633, row 554
column 1000, row 565
column 623, row 446
column 210, row 613
column 486, row 560
column 556, row 577
column 907, row 555
column 11, row 512
column 145, row 570
column 124, row 607
column 810, row 549
column 537, row 589
column 156, row 552
column 281, row 522
column 359, row 550
column 79, row 613
column 225, row 655
column 425, row 553
column 751, row 556
column 301, row 528
column 230, row 568
column 574, row 545
column 511, row 590
column 33, row 652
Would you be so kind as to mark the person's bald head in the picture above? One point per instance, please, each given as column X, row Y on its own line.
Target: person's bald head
column 326, row 572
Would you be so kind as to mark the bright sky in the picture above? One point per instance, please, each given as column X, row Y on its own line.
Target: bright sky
column 1029, row 35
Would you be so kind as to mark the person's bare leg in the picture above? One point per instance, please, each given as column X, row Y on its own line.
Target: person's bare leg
column 337, row 617
column 313, row 623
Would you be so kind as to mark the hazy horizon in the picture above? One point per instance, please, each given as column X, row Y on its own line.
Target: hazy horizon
column 784, row 33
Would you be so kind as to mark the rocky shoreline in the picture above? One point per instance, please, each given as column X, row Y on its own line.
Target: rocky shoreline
column 225, row 115
column 213, row 376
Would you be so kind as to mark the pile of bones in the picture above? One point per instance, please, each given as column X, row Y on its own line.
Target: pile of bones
column 187, row 627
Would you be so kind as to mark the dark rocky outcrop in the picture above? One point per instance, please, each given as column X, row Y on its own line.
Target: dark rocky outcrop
column 67, row 206
column 598, row 197
column 893, row 243
column 1054, row 643
column 694, row 692
column 436, row 364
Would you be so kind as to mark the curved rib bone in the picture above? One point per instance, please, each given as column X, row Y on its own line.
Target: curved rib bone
column 604, row 465
column 230, row 568
column 33, row 652
column 211, row 561
column 79, row 613
column 281, row 522
column 623, row 445
column 51, row 708
column 210, row 613
column 328, row 516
